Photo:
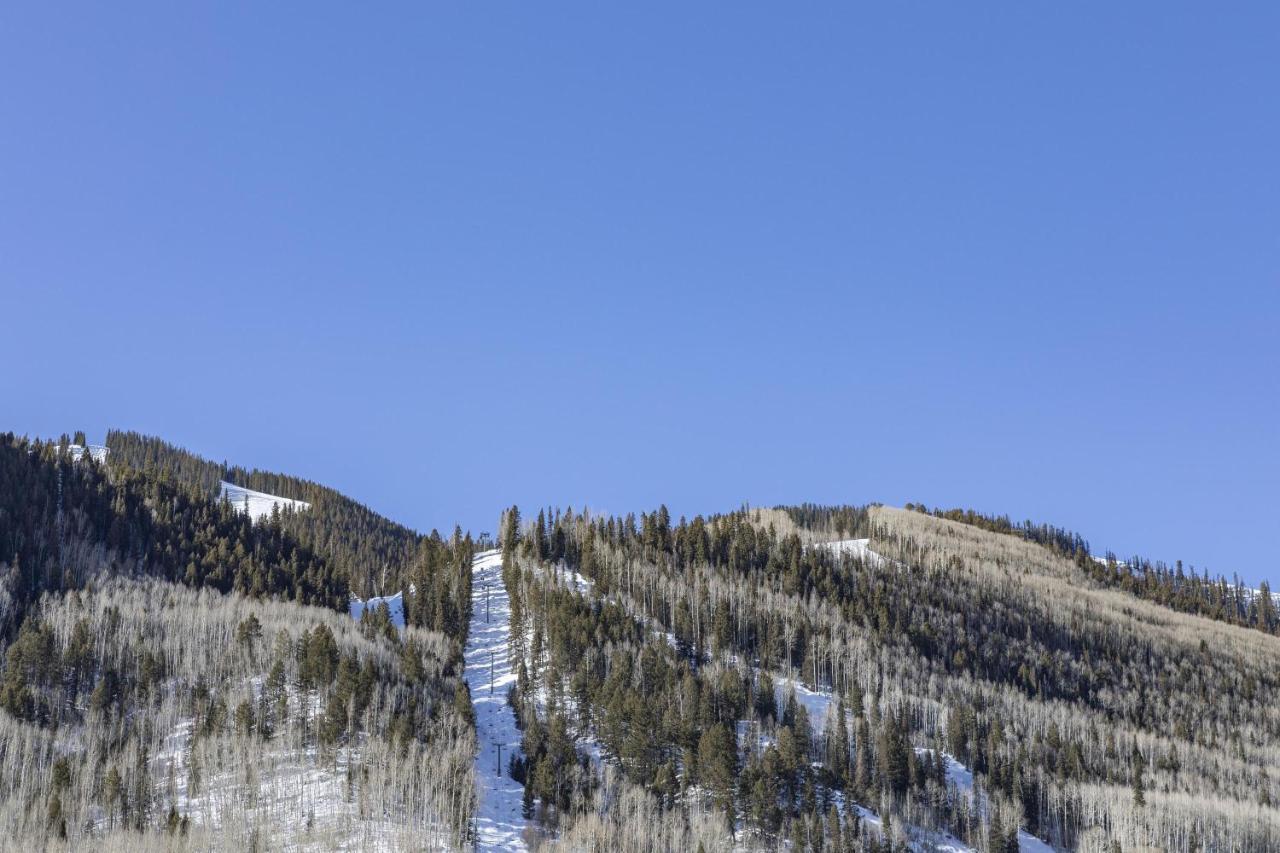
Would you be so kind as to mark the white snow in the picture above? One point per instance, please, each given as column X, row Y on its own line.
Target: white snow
column 816, row 702
column 96, row 451
column 860, row 548
column 1028, row 843
column 570, row 578
column 258, row 504
column 489, row 675
column 395, row 606
column 921, row 840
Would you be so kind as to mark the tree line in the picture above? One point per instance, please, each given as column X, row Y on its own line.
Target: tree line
column 1181, row 588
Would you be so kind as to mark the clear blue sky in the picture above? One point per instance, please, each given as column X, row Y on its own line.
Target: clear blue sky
column 447, row 257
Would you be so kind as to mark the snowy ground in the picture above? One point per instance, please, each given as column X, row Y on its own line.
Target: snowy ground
column 962, row 778
column 395, row 606
column 305, row 800
column 97, row 451
column 859, row 548
column 922, row 840
column 584, row 739
column 257, row 504
column 499, row 822
column 816, row 702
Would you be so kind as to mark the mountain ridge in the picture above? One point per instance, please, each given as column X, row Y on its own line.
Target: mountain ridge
column 836, row 677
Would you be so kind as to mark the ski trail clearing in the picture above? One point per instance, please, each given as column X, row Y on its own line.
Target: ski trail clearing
column 499, row 823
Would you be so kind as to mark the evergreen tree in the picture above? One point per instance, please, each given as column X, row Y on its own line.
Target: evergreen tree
column 1138, row 765
column 717, row 766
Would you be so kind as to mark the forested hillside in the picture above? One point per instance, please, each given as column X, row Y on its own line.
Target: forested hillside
column 179, row 672
column 150, row 510
column 142, row 714
column 372, row 555
column 67, row 521
column 940, row 681
column 1181, row 588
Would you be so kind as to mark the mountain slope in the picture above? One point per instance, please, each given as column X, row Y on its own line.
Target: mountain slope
column 798, row 678
column 373, row 555
column 1087, row 716
column 258, row 505
column 146, row 709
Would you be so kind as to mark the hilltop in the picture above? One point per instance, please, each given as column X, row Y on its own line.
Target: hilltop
column 801, row 678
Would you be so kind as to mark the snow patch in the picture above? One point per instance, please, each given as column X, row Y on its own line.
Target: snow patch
column 395, row 606
column 303, row 797
column 258, row 504
column 97, row 452
column 816, row 702
column 858, row 548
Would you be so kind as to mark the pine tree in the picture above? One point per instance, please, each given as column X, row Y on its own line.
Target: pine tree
column 838, row 746
column 833, row 832
column 462, row 704
column 526, row 800
column 766, row 703
column 717, row 770
column 894, row 754
column 864, row 772
column 1139, row 764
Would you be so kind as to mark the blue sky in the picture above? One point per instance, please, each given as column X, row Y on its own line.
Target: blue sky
column 1023, row 258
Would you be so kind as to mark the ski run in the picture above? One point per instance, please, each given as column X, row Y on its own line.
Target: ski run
column 499, row 824
column 258, row 504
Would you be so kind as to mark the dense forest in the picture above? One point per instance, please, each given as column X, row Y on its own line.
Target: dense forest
column 367, row 553
column 67, row 520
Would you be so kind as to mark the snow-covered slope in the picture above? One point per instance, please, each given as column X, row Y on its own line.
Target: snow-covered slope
column 258, row 504
column 304, row 797
column 859, row 548
column 395, row 606
column 499, row 823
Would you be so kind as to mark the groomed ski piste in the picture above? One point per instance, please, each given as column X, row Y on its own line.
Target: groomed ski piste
column 499, row 824
column 258, row 504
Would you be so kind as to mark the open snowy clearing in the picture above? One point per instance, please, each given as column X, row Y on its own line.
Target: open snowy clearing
column 96, row 451
column 499, row 823
column 860, row 548
column 258, row 504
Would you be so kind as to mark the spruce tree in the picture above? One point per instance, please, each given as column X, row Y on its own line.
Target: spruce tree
column 717, row 770
column 1139, row 790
